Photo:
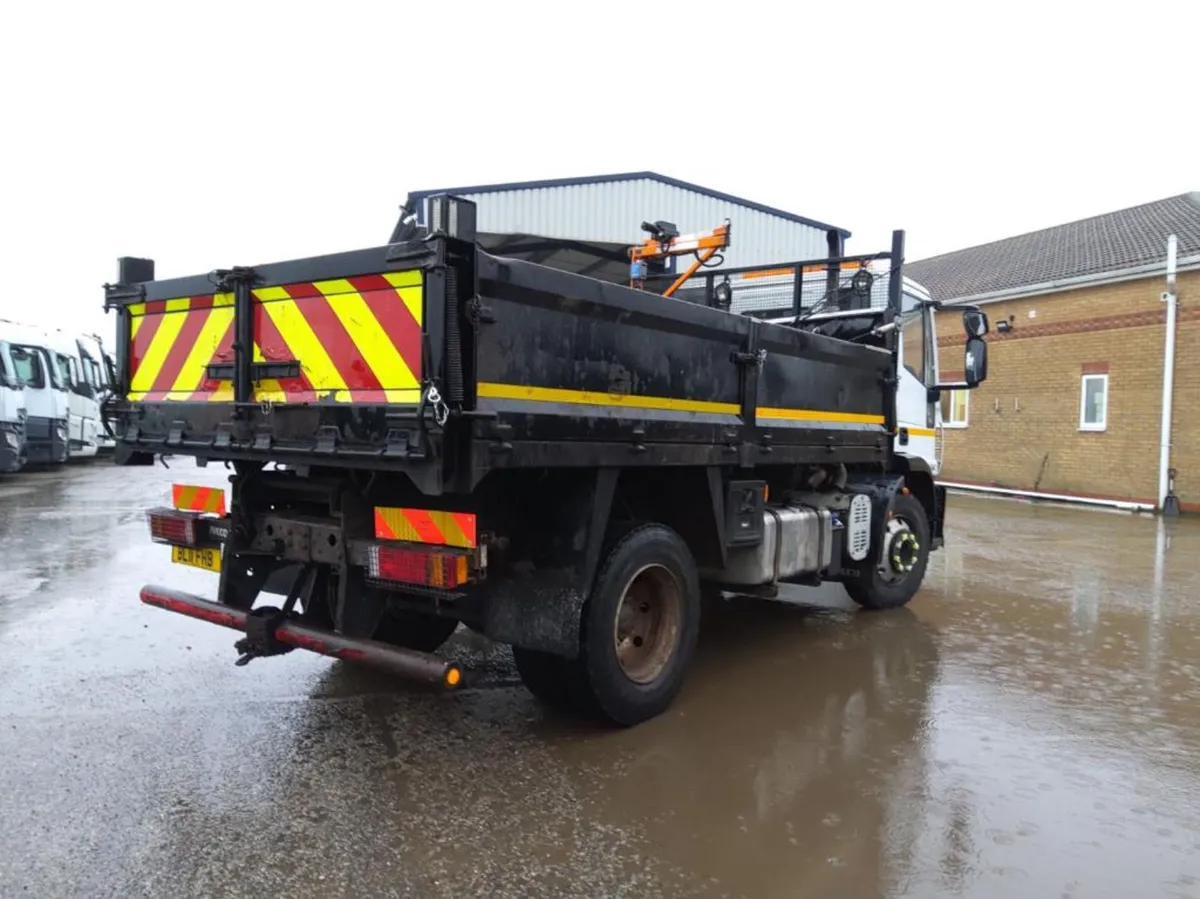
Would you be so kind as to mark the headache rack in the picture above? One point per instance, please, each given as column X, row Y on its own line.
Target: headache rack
column 869, row 282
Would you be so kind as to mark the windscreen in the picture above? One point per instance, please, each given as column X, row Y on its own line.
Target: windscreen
column 28, row 366
column 89, row 370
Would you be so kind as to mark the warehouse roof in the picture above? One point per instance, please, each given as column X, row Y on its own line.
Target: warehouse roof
column 627, row 176
column 1113, row 242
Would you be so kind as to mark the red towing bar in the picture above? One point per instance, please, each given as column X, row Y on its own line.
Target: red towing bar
column 408, row 663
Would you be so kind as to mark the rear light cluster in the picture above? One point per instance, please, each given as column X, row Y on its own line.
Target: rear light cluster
column 172, row 527
column 427, row 568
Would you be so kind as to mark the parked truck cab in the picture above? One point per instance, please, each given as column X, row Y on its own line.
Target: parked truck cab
column 424, row 435
column 46, row 403
column 79, row 373
column 12, row 412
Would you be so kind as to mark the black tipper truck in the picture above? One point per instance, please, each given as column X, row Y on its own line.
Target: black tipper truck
column 423, row 434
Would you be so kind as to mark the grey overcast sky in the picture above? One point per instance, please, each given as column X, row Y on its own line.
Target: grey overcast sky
column 218, row 133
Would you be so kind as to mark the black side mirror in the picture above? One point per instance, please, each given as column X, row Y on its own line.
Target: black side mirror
column 975, row 323
column 975, row 361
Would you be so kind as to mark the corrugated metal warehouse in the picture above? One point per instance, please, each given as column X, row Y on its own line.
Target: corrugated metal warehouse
column 609, row 210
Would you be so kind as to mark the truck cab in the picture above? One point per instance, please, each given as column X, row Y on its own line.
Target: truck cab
column 12, row 413
column 46, row 403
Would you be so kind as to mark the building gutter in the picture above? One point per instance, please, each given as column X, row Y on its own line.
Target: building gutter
column 1168, row 503
column 1125, row 505
column 1116, row 276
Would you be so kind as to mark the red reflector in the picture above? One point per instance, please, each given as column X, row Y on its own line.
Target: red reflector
column 172, row 527
column 407, row 566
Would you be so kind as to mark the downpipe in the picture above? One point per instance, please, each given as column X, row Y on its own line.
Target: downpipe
column 407, row 663
column 1168, row 502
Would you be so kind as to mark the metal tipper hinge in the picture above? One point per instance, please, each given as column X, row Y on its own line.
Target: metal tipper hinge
column 757, row 358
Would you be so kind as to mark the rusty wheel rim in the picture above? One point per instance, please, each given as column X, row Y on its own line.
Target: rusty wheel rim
column 647, row 623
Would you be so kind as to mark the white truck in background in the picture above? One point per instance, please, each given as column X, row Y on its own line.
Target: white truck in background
column 12, row 411
column 95, row 366
column 47, row 407
column 83, row 405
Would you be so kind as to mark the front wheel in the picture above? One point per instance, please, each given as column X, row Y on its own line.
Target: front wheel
column 901, row 561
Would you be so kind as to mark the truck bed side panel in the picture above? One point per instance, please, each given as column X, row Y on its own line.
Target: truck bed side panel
column 568, row 358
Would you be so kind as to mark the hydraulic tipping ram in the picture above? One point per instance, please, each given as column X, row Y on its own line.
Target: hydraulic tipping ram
column 407, row 663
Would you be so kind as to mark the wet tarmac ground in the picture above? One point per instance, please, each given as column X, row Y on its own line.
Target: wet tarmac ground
column 1029, row 726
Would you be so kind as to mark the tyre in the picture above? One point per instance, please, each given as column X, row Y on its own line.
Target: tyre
column 552, row 679
column 639, row 628
column 412, row 630
column 123, row 456
column 900, row 564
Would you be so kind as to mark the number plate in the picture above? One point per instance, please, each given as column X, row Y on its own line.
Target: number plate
column 207, row 559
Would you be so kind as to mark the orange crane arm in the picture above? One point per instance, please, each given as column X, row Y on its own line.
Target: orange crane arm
column 663, row 243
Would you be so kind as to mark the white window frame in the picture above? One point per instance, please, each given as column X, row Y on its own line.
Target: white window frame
column 1084, row 424
column 966, row 396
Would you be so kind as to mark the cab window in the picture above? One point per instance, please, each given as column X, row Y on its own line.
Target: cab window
column 90, row 371
column 64, row 370
column 28, row 366
column 50, row 365
column 912, row 334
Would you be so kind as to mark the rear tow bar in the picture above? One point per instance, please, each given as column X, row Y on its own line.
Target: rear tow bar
column 407, row 663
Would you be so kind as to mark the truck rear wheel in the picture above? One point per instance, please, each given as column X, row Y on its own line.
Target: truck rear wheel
column 640, row 626
column 900, row 565
column 550, row 678
column 412, row 630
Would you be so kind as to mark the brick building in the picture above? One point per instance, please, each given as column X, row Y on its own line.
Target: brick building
column 1073, row 401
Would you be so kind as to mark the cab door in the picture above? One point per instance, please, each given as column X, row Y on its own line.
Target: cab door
column 915, row 422
column 68, row 376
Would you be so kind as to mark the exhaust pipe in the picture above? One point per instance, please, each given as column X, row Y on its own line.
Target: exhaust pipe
column 407, row 663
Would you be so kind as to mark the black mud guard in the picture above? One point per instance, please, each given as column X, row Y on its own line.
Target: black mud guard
column 918, row 478
column 914, row 474
column 542, row 609
column 880, row 488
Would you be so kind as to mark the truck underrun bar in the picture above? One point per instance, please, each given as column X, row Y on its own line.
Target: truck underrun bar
column 407, row 663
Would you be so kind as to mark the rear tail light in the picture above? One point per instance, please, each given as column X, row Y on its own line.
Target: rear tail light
column 172, row 527
column 397, row 565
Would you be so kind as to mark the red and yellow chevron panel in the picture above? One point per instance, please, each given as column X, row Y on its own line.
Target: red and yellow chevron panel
column 426, row 526
column 198, row 499
column 357, row 340
column 173, row 341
